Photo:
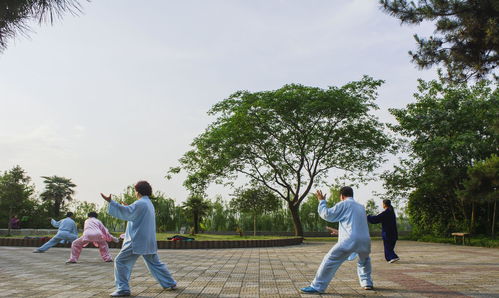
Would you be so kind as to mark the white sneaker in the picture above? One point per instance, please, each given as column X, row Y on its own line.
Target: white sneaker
column 393, row 260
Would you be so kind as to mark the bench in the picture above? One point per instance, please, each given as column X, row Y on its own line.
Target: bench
column 464, row 236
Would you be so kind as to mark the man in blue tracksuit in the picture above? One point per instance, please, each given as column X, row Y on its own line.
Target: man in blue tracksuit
column 67, row 231
column 353, row 241
column 140, row 240
column 388, row 230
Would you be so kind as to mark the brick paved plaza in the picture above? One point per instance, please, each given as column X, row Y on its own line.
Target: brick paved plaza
column 425, row 270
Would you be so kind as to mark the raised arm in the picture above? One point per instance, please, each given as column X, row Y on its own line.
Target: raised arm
column 117, row 210
column 375, row 219
column 55, row 223
column 332, row 214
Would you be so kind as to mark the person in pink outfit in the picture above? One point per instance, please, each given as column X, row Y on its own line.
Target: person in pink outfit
column 94, row 231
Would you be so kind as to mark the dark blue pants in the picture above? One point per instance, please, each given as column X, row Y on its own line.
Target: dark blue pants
column 389, row 246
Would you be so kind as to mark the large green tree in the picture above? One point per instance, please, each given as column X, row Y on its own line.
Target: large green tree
column 289, row 139
column 256, row 200
column 15, row 15
column 15, row 191
column 466, row 36
column 58, row 191
column 449, row 128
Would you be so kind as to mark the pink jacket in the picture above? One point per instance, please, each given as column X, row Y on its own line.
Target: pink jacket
column 95, row 231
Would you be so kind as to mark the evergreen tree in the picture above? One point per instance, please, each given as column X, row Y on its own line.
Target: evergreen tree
column 466, row 39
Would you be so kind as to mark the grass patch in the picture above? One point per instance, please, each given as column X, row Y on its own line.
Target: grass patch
column 212, row 237
column 476, row 240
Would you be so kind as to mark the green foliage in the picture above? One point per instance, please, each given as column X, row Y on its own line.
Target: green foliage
column 196, row 208
column 81, row 210
column 289, row 139
column 58, row 190
column 15, row 15
column 466, row 39
column 448, row 129
column 255, row 201
column 481, row 187
column 166, row 212
column 371, row 207
column 15, row 193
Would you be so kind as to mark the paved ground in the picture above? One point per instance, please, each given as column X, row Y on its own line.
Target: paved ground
column 425, row 270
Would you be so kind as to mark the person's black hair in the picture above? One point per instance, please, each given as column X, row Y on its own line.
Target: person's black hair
column 69, row 214
column 346, row 191
column 92, row 214
column 388, row 203
column 143, row 188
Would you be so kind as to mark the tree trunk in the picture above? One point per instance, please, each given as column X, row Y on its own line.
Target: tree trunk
column 296, row 219
column 254, row 224
column 473, row 215
column 494, row 219
column 9, row 225
column 195, row 224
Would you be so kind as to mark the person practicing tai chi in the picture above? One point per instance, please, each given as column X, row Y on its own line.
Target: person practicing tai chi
column 94, row 231
column 140, row 240
column 67, row 231
column 388, row 230
column 353, row 241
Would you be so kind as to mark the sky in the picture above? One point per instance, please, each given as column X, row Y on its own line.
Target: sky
column 118, row 93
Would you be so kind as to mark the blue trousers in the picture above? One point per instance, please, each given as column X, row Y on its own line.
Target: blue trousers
column 333, row 260
column 56, row 239
column 389, row 247
column 123, row 264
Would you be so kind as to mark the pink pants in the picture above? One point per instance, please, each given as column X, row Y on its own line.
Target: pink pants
column 79, row 243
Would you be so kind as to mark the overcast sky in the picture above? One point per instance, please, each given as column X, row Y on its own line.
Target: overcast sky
column 118, row 93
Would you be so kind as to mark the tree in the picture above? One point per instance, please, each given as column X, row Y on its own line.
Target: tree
column 15, row 15
column 371, row 207
column 447, row 130
column 15, row 191
column 289, row 139
column 197, row 208
column 466, row 39
column 165, row 212
column 255, row 201
column 483, row 185
column 81, row 211
column 58, row 190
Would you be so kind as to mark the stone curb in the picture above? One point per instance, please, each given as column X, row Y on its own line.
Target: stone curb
column 171, row 244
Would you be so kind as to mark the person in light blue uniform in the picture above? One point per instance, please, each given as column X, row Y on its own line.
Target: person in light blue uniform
column 67, row 232
column 140, row 240
column 353, row 241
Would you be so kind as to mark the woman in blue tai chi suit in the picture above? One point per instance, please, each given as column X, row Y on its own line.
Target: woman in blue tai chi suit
column 140, row 240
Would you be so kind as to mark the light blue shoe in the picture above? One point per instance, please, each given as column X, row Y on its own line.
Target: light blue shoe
column 309, row 290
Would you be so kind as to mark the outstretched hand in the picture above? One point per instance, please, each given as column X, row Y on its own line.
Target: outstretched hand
column 320, row 196
column 107, row 198
column 334, row 232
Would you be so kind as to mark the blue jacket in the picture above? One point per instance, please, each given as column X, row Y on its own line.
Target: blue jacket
column 388, row 224
column 353, row 232
column 140, row 231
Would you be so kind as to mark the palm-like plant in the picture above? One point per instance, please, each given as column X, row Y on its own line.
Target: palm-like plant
column 58, row 190
column 16, row 14
column 196, row 207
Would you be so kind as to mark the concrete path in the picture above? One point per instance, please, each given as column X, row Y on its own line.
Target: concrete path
column 425, row 270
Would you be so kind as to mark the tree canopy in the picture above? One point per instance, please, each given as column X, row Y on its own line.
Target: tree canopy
column 15, row 15
column 466, row 39
column 58, row 191
column 449, row 128
column 289, row 139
